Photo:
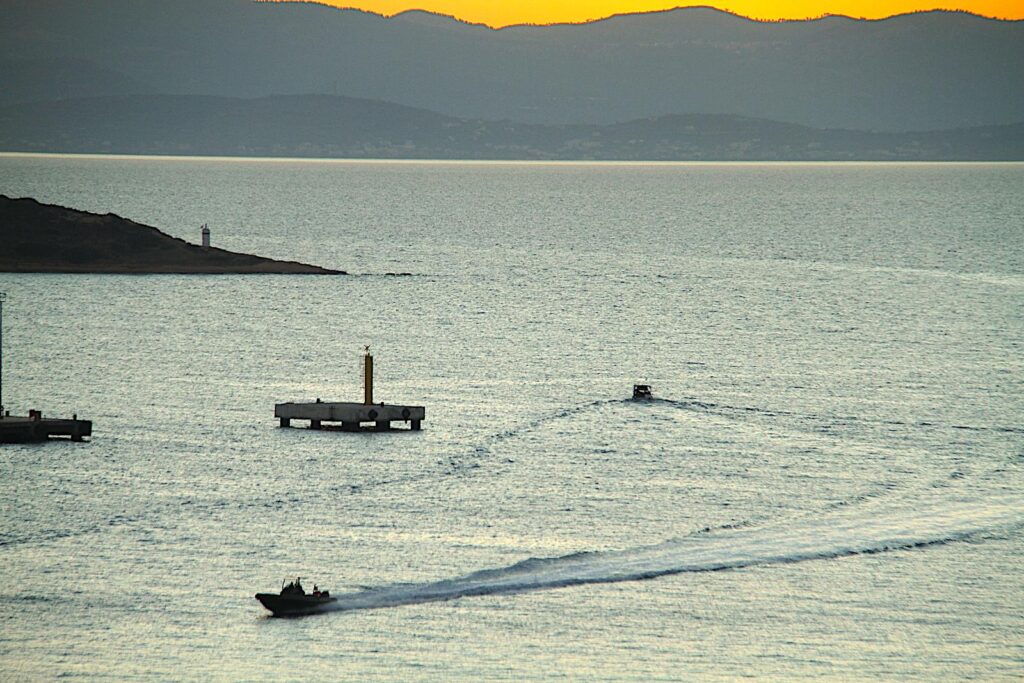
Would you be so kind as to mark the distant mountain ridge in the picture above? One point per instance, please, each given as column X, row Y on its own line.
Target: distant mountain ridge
column 928, row 71
column 440, row 16
column 344, row 127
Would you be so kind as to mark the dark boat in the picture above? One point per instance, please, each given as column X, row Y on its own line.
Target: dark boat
column 642, row 392
column 294, row 601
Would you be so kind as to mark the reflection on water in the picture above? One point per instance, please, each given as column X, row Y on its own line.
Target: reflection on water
column 834, row 348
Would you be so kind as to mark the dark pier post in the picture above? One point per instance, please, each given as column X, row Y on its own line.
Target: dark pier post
column 3, row 295
column 35, row 427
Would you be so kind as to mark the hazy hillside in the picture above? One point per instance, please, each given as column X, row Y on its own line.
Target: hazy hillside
column 917, row 72
column 327, row 126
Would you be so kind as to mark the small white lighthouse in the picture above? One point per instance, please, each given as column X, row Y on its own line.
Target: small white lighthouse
column 206, row 236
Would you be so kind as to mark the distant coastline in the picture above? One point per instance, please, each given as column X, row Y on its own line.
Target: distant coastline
column 45, row 238
column 338, row 127
column 99, row 156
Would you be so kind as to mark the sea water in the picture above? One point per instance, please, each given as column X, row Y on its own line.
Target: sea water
column 828, row 484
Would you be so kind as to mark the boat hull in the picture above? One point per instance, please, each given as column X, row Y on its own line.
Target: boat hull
column 294, row 605
column 642, row 392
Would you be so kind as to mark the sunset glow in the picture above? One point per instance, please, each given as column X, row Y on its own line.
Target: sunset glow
column 498, row 14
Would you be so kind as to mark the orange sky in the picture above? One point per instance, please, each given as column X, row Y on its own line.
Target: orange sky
column 504, row 12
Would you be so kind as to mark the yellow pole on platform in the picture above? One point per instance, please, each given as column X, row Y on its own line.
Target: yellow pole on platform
column 367, row 377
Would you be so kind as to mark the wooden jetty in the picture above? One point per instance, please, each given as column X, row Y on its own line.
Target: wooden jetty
column 35, row 427
column 352, row 416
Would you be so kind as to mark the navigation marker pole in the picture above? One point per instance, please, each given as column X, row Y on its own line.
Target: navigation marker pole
column 367, row 376
column 3, row 295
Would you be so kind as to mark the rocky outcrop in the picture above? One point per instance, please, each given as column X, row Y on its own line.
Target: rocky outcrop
column 43, row 238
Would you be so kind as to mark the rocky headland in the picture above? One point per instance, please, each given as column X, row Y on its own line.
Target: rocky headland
column 44, row 238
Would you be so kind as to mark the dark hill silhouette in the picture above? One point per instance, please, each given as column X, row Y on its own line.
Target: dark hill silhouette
column 923, row 71
column 342, row 127
column 46, row 238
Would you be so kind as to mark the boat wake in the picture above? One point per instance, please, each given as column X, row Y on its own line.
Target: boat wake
column 842, row 533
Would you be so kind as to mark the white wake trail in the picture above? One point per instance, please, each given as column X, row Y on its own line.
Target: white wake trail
column 836, row 534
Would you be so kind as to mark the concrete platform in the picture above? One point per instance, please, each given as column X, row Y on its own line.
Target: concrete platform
column 19, row 429
column 351, row 416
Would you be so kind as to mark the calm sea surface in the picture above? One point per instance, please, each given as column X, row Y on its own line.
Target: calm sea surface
column 830, row 484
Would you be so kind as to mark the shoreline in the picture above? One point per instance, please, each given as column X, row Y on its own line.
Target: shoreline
column 47, row 238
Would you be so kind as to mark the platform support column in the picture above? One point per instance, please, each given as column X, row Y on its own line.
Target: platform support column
column 350, row 426
column 314, row 424
column 415, row 425
column 382, row 425
column 286, row 422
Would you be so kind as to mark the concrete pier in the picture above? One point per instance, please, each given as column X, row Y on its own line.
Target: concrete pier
column 34, row 427
column 350, row 416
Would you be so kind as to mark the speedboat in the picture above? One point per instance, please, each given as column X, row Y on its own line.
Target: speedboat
column 294, row 601
column 642, row 392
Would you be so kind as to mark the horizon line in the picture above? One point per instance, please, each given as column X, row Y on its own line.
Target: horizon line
column 103, row 156
column 678, row 8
